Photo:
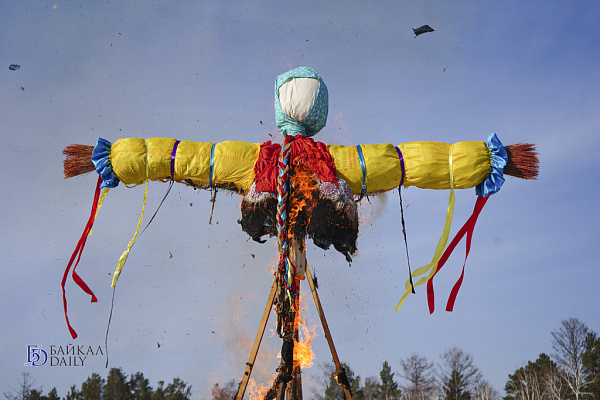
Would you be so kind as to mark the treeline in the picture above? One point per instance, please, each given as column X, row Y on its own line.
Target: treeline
column 455, row 377
column 116, row 386
column 571, row 372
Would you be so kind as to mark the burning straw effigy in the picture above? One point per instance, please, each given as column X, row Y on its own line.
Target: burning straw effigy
column 298, row 189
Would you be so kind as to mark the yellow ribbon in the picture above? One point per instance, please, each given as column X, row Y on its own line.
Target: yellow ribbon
column 100, row 201
column 123, row 257
column 441, row 245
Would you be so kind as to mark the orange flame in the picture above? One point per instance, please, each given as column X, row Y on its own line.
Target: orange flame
column 296, row 206
column 257, row 391
column 302, row 200
column 303, row 352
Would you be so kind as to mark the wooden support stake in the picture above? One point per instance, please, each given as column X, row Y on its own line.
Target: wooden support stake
column 294, row 387
column 259, row 335
column 336, row 360
column 298, row 258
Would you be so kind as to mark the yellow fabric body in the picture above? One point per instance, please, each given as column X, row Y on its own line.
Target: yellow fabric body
column 381, row 162
column 426, row 163
column 233, row 161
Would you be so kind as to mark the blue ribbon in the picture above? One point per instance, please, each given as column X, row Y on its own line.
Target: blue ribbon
column 101, row 160
column 363, row 166
column 495, row 179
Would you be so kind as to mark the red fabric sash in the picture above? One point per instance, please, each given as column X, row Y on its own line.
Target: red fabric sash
column 313, row 154
column 467, row 229
column 77, row 253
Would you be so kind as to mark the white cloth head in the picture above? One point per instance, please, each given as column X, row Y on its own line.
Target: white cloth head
column 297, row 96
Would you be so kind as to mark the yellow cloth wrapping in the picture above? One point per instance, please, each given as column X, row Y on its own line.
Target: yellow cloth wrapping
column 426, row 163
column 233, row 161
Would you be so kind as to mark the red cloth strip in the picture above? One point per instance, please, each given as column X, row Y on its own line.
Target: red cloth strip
column 315, row 154
column 468, row 229
column 77, row 253
column 481, row 201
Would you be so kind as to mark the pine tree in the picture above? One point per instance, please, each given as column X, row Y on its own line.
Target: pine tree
column 116, row 387
column 456, row 361
column 159, row 392
column 456, row 387
column 35, row 395
column 140, row 387
column 72, row 394
column 53, row 395
column 178, row 390
column 591, row 361
column 91, row 389
column 388, row 388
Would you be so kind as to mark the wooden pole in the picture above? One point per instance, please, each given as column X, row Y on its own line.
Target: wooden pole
column 336, row 360
column 294, row 388
column 298, row 258
column 259, row 336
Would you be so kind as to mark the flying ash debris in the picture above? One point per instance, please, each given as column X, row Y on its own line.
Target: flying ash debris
column 423, row 29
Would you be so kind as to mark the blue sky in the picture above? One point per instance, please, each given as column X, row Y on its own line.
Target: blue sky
column 204, row 71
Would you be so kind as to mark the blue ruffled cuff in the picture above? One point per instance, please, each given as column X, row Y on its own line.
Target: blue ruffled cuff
column 101, row 160
column 495, row 179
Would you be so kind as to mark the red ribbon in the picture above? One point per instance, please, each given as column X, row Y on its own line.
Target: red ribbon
column 467, row 229
column 77, row 253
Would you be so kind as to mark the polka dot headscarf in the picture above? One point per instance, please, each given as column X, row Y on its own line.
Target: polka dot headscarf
column 317, row 116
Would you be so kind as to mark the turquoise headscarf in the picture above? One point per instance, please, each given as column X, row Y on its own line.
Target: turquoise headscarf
column 317, row 116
